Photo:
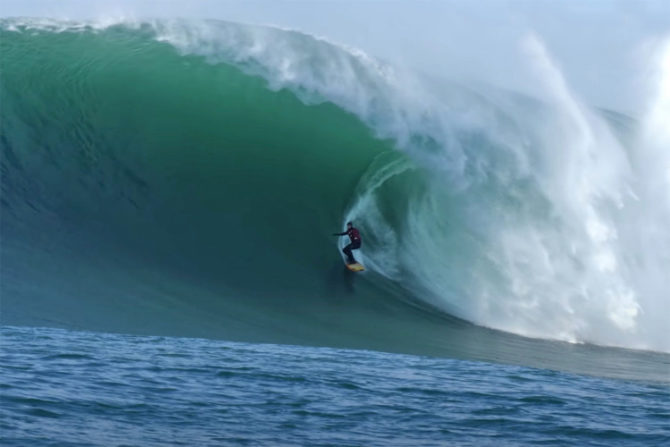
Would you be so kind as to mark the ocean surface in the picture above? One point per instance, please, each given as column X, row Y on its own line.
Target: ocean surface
column 71, row 388
column 178, row 181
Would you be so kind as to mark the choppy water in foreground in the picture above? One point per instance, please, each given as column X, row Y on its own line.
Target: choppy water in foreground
column 78, row 388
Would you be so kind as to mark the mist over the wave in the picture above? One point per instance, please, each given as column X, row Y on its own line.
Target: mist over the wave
column 599, row 46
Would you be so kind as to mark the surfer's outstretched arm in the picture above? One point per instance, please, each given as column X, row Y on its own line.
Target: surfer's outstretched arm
column 340, row 234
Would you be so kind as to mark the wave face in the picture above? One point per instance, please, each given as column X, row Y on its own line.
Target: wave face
column 196, row 169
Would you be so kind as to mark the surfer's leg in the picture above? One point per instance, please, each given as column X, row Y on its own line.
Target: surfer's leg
column 347, row 251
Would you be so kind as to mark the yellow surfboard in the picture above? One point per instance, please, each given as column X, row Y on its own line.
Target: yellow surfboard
column 355, row 267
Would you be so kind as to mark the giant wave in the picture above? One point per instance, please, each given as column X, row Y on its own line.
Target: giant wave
column 168, row 176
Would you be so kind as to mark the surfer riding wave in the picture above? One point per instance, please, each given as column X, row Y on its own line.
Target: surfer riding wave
column 355, row 244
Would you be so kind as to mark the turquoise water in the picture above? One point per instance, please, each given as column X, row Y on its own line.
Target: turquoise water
column 80, row 388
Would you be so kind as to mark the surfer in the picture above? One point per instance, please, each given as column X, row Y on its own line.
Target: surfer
column 355, row 238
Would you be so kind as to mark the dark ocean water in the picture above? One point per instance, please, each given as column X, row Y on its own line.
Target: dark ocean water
column 64, row 388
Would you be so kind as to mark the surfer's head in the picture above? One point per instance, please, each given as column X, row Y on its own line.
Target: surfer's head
column 350, row 224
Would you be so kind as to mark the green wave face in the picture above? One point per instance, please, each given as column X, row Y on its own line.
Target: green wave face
column 148, row 191
column 203, row 161
column 186, row 178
